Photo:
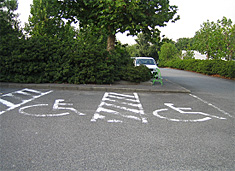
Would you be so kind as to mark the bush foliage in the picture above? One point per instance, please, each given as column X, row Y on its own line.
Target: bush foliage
column 208, row 67
column 136, row 74
column 51, row 60
column 56, row 52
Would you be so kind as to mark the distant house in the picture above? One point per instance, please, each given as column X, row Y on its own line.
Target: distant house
column 197, row 55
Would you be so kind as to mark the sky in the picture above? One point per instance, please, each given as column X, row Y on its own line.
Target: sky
column 192, row 14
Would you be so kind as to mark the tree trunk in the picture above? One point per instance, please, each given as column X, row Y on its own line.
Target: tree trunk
column 111, row 42
column 208, row 55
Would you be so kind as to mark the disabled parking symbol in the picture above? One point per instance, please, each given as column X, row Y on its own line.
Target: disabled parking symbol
column 184, row 111
column 57, row 106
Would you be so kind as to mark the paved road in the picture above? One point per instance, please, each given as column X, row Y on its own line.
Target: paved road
column 44, row 129
column 216, row 90
column 200, row 83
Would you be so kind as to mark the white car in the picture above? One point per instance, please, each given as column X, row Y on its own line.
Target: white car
column 147, row 61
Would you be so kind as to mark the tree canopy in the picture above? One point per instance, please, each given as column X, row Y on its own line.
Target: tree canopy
column 144, row 47
column 113, row 16
column 45, row 20
column 184, row 43
column 9, row 28
column 168, row 52
column 8, row 21
column 216, row 39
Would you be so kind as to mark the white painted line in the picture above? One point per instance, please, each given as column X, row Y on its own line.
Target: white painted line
column 123, row 95
column 124, row 103
column 97, row 116
column 110, row 100
column 6, row 103
column 156, row 113
column 187, row 112
column 21, row 110
column 114, row 121
column 13, row 106
column 144, row 119
column 101, row 109
column 57, row 106
column 222, row 111
column 123, row 108
column 32, row 91
column 122, row 98
column 7, row 95
column 23, row 92
column 140, row 106
column 131, row 117
column 180, row 110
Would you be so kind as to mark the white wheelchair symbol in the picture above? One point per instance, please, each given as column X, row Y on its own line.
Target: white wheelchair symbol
column 186, row 111
column 58, row 105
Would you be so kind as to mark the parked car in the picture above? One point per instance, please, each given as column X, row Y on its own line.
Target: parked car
column 147, row 61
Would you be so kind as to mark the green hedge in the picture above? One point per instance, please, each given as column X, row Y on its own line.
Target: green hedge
column 136, row 74
column 51, row 60
column 36, row 61
column 209, row 67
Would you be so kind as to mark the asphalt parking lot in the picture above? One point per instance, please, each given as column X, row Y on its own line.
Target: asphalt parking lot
column 48, row 128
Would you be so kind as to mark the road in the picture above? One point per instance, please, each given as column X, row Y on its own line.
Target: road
column 91, row 130
column 216, row 90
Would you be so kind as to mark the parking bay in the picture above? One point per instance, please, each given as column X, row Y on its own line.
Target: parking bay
column 125, row 130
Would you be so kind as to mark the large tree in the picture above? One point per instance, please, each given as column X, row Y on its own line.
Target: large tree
column 9, row 27
column 145, row 47
column 168, row 52
column 184, row 43
column 227, row 29
column 45, row 20
column 113, row 16
column 216, row 39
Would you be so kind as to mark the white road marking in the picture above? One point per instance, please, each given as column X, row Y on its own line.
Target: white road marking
column 123, row 108
column 123, row 95
column 21, row 110
column 187, row 112
column 114, row 121
column 25, row 91
column 155, row 113
column 180, row 110
column 6, row 103
column 115, row 101
column 57, row 106
column 225, row 113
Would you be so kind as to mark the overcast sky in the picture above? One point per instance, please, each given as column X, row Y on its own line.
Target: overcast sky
column 192, row 13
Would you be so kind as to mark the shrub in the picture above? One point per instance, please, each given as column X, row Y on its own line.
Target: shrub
column 81, row 61
column 136, row 74
column 209, row 67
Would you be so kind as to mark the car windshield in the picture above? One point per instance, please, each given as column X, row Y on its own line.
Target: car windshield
column 145, row 61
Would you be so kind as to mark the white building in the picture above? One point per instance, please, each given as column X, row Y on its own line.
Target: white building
column 197, row 55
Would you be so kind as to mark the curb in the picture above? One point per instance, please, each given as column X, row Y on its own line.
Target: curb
column 170, row 87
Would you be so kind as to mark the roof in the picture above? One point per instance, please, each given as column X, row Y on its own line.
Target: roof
column 142, row 57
